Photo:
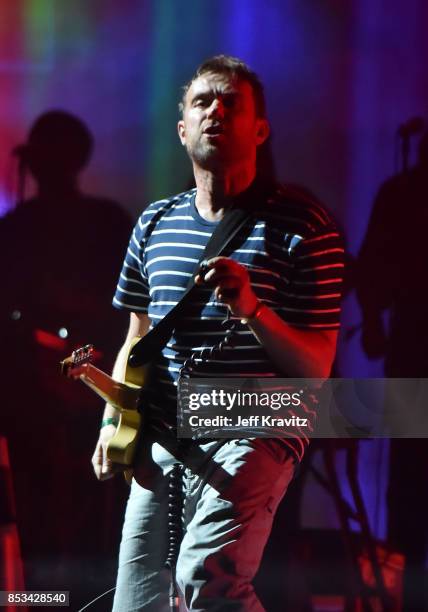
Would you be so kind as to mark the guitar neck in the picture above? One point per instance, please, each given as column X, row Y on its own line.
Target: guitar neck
column 121, row 396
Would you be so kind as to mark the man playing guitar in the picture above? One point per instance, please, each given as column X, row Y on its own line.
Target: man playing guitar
column 281, row 280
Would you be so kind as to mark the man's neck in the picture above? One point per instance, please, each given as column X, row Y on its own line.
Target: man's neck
column 215, row 191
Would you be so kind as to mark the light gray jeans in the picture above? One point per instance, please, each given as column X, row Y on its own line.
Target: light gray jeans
column 232, row 489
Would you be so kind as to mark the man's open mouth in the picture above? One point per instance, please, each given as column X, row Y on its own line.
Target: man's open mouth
column 214, row 130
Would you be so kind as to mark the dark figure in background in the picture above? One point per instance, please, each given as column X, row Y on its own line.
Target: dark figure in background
column 60, row 253
column 392, row 269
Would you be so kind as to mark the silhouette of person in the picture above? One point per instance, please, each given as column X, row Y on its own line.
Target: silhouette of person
column 391, row 271
column 60, row 254
column 391, row 265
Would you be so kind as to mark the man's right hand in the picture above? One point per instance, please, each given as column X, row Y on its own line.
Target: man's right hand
column 104, row 467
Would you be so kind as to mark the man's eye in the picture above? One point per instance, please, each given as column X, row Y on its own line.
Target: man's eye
column 199, row 102
column 229, row 102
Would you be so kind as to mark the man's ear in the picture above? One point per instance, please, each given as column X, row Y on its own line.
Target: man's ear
column 262, row 131
column 181, row 132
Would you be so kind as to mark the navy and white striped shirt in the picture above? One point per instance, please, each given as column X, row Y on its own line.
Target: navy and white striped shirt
column 295, row 259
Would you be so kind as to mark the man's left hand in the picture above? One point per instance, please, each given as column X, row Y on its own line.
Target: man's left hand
column 232, row 285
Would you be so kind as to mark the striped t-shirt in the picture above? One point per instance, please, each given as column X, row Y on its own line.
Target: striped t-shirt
column 294, row 256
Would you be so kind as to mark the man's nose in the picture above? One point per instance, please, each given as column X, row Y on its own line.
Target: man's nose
column 216, row 108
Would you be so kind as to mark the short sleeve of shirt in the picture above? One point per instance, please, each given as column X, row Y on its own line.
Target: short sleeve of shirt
column 132, row 291
column 317, row 279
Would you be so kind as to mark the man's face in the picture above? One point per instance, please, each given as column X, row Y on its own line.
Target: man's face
column 219, row 126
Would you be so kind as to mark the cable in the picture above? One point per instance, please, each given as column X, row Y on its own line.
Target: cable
column 175, row 529
column 176, row 495
column 96, row 599
column 210, row 351
column 191, row 364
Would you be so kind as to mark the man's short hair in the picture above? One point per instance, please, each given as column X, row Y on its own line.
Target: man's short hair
column 233, row 67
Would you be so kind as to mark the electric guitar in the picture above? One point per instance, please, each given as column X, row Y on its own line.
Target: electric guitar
column 125, row 397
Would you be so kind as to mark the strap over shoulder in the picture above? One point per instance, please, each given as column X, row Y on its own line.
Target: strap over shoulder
column 234, row 219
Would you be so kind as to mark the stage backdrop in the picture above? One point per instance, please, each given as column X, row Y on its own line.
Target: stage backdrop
column 340, row 78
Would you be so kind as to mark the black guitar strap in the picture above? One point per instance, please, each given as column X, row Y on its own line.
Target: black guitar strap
column 226, row 230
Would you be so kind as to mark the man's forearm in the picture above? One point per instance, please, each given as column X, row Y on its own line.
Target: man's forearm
column 297, row 353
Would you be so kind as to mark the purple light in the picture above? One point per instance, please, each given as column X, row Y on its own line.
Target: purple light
column 6, row 202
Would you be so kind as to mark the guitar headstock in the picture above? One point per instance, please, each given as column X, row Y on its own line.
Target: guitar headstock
column 75, row 365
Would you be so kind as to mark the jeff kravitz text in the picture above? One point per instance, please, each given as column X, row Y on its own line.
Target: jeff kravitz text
column 251, row 421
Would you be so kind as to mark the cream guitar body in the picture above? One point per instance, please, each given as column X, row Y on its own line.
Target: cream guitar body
column 125, row 397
